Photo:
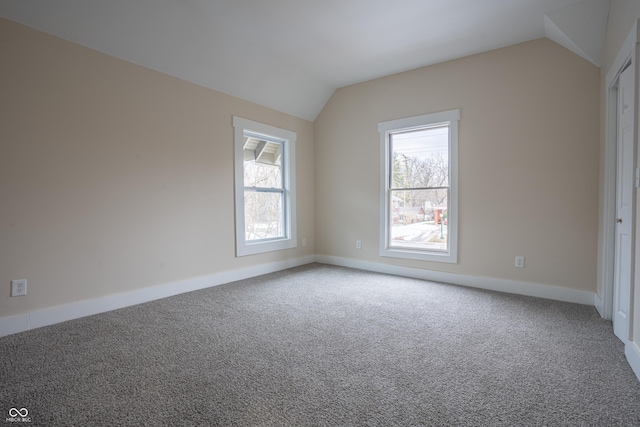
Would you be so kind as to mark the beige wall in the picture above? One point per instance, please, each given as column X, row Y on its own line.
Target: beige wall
column 622, row 15
column 114, row 177
column 528, row 155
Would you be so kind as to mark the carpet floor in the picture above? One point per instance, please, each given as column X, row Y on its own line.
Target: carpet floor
column 322, row 345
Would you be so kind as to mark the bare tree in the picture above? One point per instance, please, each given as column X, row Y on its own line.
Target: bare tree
column 413, row 172
column 263, row 210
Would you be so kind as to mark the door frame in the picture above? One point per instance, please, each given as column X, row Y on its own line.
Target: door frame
column 627, row 54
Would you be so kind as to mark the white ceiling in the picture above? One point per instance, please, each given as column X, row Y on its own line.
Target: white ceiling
column 289, row 55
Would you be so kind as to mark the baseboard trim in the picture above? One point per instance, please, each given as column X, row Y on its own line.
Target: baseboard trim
column 501, row 285
column 599, row 304
column 632, row 351
column 49, row 316
column 14, row 324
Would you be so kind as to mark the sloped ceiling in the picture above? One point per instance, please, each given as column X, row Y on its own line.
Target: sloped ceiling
column 580, row 28
column 291, row 55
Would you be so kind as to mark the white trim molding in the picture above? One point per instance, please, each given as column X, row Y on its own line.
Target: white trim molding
column 632, row 352
column 49, row 316
column 287, row 139
column 386, row 130
column 626, row 54
column 501, row 285
column 599, row 304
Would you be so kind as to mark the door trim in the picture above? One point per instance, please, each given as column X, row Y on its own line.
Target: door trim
column 627, row 54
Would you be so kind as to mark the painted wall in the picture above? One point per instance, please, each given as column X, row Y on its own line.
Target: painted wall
column 114, row 177
column 528, row 159
column 622, row 15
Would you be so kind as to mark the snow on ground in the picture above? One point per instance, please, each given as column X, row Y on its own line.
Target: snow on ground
column 422, row 235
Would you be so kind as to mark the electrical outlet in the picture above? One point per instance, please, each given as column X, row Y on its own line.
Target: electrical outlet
column 18, row 287
column 304, row 241
column 358, row 244
column 520, row 262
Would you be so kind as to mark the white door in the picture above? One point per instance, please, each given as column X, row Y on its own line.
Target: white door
column 624, row 208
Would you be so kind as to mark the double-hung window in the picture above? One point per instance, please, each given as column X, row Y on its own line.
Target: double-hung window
column 265, row 187
column 419, row 187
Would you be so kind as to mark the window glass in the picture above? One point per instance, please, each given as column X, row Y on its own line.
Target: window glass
column 265, row 187
column 419, row 190
column 419, row 208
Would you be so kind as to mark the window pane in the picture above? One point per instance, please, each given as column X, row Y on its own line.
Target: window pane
column 263, row 215
column 262, row 175
column 419, row 219
column 420, row 158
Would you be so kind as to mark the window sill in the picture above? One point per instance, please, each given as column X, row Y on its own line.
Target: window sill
column 446, row 257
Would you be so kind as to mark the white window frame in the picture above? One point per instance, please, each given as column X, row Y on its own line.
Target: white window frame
column 390, row 127
column 248, row 247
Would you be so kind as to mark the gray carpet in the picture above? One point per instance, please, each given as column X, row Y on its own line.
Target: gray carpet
column 325, row 346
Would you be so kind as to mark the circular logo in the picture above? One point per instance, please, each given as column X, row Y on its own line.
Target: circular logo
column 13, row 412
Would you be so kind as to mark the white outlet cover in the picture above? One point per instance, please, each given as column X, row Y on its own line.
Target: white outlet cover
column 18, row 287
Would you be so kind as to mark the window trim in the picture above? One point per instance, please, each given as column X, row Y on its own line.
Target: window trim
column 451, row 118
column 251, row 247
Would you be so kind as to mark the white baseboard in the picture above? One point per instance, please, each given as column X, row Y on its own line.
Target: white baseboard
column 599, row 304
column 501, row 285
column 49, row 316
column 14, row 324
column 632, row 351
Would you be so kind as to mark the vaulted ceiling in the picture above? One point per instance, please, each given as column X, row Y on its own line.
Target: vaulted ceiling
column 291, row 55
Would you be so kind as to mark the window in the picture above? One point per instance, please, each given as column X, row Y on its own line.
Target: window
column 265, row 187
column 419, row 209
